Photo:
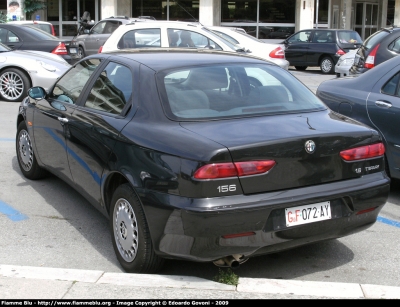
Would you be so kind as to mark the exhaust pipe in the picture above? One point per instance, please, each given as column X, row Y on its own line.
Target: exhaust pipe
column 232, row 261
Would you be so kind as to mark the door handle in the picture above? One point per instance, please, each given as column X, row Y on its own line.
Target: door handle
column 63, row 119
column 383, row 104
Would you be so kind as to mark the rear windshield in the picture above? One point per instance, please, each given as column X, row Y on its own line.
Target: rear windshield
column 43, row 27
column 375, row 38
column 234, row 90
column 349, row 37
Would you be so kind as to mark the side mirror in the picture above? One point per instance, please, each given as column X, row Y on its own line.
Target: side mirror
column 37, row 93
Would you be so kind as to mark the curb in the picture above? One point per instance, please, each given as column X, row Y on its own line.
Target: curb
column 246, row 285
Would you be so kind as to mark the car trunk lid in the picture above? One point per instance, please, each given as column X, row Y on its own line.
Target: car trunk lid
column 283, row 138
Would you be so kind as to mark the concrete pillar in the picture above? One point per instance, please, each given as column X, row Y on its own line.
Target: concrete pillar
column 397, row 13
column 304, row 14
column 210, row 12
column 108, row 8
column 383, row 18
column 346, row 14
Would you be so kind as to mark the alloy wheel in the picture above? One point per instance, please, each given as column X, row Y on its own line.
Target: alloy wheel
column 11, row 85
column 25, row 150
column 125, row 230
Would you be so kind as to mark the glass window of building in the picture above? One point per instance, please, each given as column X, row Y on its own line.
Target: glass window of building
column 167, row 10
column 323, row 13
column 264, row 19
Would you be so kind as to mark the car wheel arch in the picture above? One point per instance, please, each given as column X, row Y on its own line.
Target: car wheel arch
column 22, row 69
column 112, row 182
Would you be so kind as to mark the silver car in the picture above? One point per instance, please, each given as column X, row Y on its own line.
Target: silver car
column 20, row 70
column 344, row 64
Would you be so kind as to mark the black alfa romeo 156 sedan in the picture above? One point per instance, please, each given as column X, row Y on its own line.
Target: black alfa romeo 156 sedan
column 202, row 155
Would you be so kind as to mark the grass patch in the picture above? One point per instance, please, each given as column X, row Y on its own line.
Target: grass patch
column 227, row 277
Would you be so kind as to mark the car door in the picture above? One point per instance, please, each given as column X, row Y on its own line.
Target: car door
column 98, row 35
column 95, row 125
column 297, row 48
column 321, row 42
column 52, row 116
column 383, row 106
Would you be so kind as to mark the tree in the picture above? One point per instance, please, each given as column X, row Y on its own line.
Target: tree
column 31, row 6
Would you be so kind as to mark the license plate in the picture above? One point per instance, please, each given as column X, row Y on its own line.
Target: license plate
column 72, row 50
column 308, row 213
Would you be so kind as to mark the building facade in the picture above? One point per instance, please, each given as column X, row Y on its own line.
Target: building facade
column 265, row 19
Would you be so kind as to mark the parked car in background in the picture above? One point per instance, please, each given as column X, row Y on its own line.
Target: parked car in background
column 372, row 98
column 320, row 47
column 90, row 40
column 377, row 48
column 19, row 70
column 42, row 25
column 271, row 52
column 168, row 34
column 343, row 66
column 19, row 37
column 191, row 161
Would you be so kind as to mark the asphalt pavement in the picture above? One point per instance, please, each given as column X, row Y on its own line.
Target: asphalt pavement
column 53, row 285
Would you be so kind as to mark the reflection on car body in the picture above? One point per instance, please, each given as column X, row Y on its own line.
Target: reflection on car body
column 173, row 165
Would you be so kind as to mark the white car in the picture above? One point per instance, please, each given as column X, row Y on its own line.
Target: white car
column 169, row 34
column 271, row 52
column 344, row 63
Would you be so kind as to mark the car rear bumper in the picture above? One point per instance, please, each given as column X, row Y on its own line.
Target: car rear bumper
column 342, row 70
column 281, row 62
column 193, row 229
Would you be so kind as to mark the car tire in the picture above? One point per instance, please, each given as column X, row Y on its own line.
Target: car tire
column 327, row 65
column 26, row 157
column 130, row 234
column 81, row 53
column 301, row 67
column 14, row 85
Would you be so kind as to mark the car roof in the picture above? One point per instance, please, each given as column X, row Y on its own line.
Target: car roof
column 20, row 22
column 181, row 57
column 147, row 22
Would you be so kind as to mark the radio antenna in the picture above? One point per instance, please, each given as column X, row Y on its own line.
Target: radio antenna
column 188, row 12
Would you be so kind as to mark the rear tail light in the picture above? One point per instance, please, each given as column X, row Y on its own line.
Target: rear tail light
column 370, row 61
column 366, row 211
column 100, row 49
column 60, row 49
column 364, row 152
column 225, row 170
column 238, row 235
column 277, row 53
column 53, row 32
column 340, row 52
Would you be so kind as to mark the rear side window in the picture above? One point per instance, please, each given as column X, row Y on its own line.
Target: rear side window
column 142, row 38
column 392, row 86
column 190, row 39
column 395, row 46
column 323, row 37
column 112, row 89
column 235, row 90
